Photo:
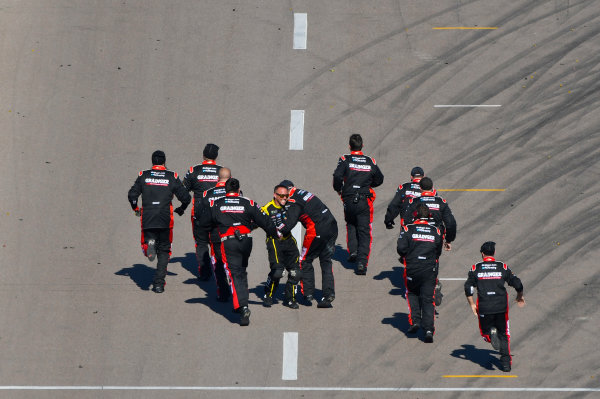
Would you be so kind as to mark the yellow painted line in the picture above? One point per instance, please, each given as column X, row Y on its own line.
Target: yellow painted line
column 479, row 376
column 463, row 27
column 470, row 189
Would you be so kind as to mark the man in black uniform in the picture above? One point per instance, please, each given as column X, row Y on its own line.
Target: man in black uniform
column 157, row 186
column 283, row 252
column 234, row 217
column 491, row 309
column 319, row 240
column 441, row 215
column 404, row 193
column 198, row 179
column 420, row 246
column 223, row 290
column 353, row 179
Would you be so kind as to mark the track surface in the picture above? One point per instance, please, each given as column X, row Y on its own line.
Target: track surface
column 88, row 89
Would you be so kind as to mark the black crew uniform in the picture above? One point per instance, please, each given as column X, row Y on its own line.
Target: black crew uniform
column 319, row 240
column 283, row 254
column 198, row 179
column 489, row 278
column 354, row 178
column 440, row 213
column 214, row 240
column 157, row 187
column 399, row 203
column 420, row 246
column 234, row 217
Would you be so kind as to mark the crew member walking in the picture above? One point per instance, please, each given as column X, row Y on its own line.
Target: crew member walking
column 157, row 186
column 491, row 309
column 420, row 245
column 198, row 179
column 234, row 217
column 404, row 193
column 354, row 179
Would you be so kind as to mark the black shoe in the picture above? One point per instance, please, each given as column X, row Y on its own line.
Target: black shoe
column 267, row 301
column 429, row 337
column 413, row 329
column 438, row 294
column 291, row 304
column 361, row 269
column 308, row 300
column 326, row 302
column 244, row 316
column 158, row 288
column 506, row 367
column 352, row 257
column 151, row 251
column 494, row 340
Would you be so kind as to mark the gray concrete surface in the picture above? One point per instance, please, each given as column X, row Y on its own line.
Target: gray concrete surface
column 88, row 89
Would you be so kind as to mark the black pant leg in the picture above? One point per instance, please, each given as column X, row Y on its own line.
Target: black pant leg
column 351, row 226
column 502, row 325
column 412, row 298
column 236, row 254
column 364, row 219
column 327, row 250
column 163, row 239
column 428, row 279
column 221, row 275
column 310, row 250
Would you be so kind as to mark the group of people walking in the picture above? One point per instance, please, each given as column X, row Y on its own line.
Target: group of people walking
column 223, row 220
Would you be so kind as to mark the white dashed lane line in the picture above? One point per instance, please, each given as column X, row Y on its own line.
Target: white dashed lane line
column 297, row 130
column 290, row 356
column 300, row 30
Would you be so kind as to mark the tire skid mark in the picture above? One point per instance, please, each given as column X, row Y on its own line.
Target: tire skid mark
column 367, row 46
column 452, row 55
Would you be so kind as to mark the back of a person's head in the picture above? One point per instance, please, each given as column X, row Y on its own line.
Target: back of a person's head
column 426, row 184
column 356, row 142
column 158, row 157
column 232, row 185
column 422, row 211
column 488, row 248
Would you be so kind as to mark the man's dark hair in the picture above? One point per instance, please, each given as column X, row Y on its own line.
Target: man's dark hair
column 355, row 142
column 211, row 151
column 426, row 184
column 158, row 158
column 279, row 186
column 232, row 185
column 488, row 248
column 423, row 211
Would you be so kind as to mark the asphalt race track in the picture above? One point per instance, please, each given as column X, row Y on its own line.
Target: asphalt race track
column 89, row 88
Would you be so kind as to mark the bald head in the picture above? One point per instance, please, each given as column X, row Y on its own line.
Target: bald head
column 224, row 174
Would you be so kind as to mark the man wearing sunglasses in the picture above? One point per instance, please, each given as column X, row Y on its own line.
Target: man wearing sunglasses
column 283, row 252
column 319, row 240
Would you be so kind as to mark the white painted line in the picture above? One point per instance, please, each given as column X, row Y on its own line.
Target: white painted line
column 452, row 279
column 321, row 389
column 465, row 105
column 297, row 130
column 300, row 27
column 297, row 233
column 290, row 356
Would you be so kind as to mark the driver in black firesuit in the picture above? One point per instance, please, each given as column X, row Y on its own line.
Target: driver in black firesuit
column 354, row 179
column 420, row 246
column 198, row 179
column 491, row 309
column 283, row 252
column 157, row 186
column 234, row 217
column 319, row 241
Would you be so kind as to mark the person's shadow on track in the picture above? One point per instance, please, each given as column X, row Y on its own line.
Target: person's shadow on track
column 341, row 255
column 482, row 357
column 142, row 275
column 396, row 277
column 190, row 263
